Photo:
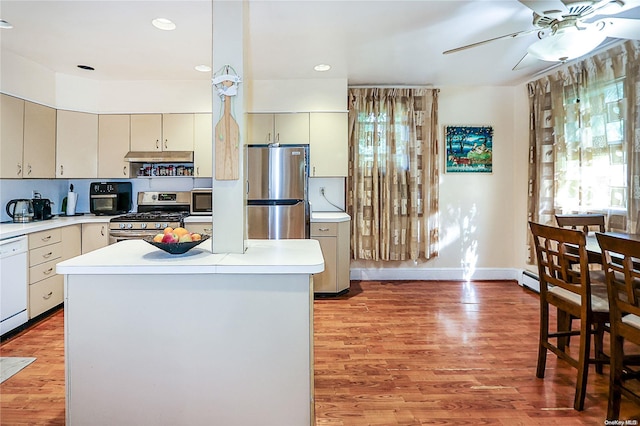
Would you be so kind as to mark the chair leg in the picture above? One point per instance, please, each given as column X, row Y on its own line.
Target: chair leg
column 544, row 339
column 599, row 346
column 583, row 366
column 563, row 324
column 615, row 378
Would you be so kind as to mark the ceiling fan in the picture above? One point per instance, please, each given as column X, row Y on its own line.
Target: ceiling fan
column 566, row 29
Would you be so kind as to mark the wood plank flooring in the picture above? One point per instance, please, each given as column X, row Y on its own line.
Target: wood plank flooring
column 387, row 353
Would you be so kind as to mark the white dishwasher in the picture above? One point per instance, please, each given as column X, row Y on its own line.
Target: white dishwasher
column 13, row 283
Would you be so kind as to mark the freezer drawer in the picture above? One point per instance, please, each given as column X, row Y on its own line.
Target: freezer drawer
column 277, row 221
column 277, row 173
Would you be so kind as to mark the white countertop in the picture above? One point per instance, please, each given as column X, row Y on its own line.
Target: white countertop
column 330, row 217
column 140, row 257
column 10, row 229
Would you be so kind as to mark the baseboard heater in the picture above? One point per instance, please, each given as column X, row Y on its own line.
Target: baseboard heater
column 530, row 280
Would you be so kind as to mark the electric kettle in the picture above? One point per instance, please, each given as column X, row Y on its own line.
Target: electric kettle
column 20, row 210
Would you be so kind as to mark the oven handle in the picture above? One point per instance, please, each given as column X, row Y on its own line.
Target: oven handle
column 131, row 234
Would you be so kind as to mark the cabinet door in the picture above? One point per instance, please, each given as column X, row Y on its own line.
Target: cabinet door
column 71, row 240
column 11, row 134
column 94, row 236
column 203, row 146
column 113, row 145
column 39, row 160
column 177, row 132
column 260, row 128
column 292, row 128
column 328, row 149
column 202, row 228
column 325, row 282
column 77, row 145
column 146, row 132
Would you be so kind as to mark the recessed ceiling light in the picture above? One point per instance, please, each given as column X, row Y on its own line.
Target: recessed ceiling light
column 5, row 25
column 203, row 68
column 163, row 24
column 322, row 67
column 86, row 67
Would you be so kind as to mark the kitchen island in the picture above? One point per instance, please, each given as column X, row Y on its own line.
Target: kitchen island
column 198, row 338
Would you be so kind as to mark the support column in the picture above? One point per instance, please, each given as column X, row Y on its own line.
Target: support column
column 229, row 195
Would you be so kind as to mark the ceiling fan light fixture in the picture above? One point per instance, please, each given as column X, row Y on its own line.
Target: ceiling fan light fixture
column 568, row 44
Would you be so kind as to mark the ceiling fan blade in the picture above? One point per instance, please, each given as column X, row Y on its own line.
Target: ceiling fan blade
column 525, row 62
column 479, row 43
column 550, row 8
column 621, row 28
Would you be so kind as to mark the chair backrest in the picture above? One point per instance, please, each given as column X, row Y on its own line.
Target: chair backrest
column 621, row 261
column 617, row 223
column 557, row 249
column 582, row 221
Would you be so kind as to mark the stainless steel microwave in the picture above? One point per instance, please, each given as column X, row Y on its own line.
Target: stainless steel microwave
column 202, row 201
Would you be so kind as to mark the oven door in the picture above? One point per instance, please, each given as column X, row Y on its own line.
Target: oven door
column 116, row 235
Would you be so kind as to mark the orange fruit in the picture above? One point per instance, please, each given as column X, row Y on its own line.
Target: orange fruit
column 168, row 230
column 179, row 231
column 158, row 238
column 196, row 237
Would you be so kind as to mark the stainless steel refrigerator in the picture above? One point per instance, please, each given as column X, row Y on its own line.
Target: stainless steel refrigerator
column 277, row 200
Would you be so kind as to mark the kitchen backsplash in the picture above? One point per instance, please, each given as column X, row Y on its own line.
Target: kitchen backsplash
column 56, row 190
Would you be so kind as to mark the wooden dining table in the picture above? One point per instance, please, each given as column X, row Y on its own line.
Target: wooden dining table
column 593, row 248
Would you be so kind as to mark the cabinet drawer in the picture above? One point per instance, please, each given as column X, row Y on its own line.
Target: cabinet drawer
column 44, row 238
column 42, row 271
column 45, row 295
column 45, row 254
column 324, row 229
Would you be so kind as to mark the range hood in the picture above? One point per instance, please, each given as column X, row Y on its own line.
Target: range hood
column 159, row 157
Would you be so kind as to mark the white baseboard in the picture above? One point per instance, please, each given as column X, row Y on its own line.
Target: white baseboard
column 530, row 280
column 434, row 274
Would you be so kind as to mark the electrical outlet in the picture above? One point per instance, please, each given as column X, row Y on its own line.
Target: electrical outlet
column 322, row 190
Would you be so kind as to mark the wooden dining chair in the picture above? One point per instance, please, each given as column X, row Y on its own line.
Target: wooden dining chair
column 621, row 258
column 584, row 221
column 617, row 223
column 569, row 290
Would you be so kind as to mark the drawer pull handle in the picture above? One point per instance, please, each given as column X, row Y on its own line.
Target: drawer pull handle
column 208, row 230
column 47, row 296
column 323, row 229
column 47, row 238
column 48, row 271
column 47, row 254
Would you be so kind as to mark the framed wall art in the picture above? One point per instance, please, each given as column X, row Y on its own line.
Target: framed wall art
column 469, row 149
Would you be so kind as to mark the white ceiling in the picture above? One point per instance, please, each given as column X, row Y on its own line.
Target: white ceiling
column 367, row 42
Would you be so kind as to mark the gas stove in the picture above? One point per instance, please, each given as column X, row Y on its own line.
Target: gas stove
column 156, row 211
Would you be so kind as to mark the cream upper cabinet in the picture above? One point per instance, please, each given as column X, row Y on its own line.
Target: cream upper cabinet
column 283, row 128
column 146, row 132
column 203, row 145
column 113, row 145
column 39, row 158
column 328, row 146
column 177, row 132
column 162, row 132
column 77, row 145
column 11, row 134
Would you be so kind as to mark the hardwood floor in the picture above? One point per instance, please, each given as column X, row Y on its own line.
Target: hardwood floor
column 387, row 353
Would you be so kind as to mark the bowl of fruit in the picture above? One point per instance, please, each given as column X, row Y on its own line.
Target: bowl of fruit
column 176, row 241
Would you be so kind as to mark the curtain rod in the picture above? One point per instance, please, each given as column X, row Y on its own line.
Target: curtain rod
column 389, row 86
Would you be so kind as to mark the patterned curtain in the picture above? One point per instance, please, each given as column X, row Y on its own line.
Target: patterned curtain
column 584, row 139
column 393, row 173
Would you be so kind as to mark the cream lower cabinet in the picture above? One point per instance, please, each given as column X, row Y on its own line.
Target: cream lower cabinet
column 45, row 286
column 334, row 242
column 202, row 228
column 46, row 249
column 283, row 128
column 94, row 236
